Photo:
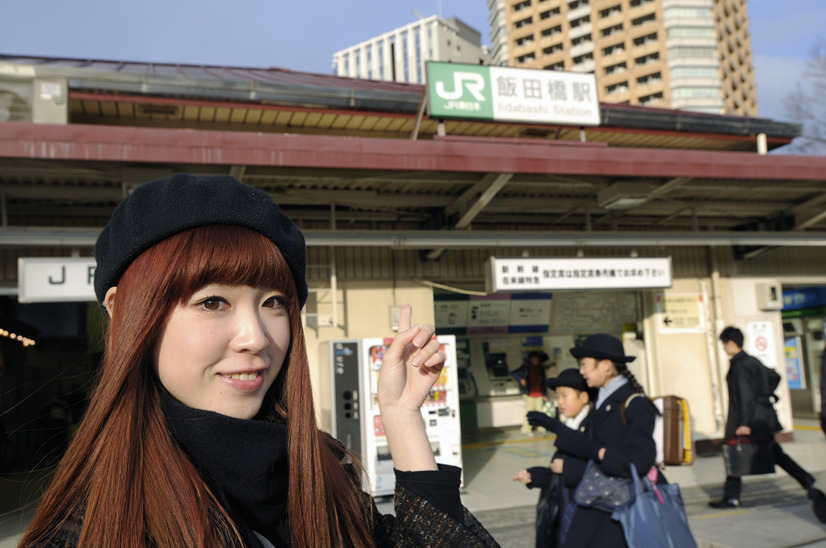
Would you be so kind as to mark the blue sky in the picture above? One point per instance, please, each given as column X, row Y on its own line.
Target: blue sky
column 302, row 36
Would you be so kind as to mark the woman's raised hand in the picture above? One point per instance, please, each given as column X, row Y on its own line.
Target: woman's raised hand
column 410, row 366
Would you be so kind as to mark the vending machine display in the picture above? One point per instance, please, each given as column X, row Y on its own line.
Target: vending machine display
column 354, row 410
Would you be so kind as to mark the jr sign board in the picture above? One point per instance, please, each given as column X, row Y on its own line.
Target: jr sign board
column 512, row 94
column 57, row 279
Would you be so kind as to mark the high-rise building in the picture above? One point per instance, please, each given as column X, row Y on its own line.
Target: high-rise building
column 400, row 55
column 683, row 54
column 498, row 33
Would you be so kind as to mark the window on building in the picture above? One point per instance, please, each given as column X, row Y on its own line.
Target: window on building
column 645, row 59
column 614, row 89
column 693, row 52
column 691, row 32
column 527, row 58
column 552, row 49
column 523, row 23
column 380, row 48
column 417, row 36
column 585, row 38
column 684, row 12
column 572, row 5
column 652, row 98
column 637, row 3
column 405, row 56
column 695, row 92
column 556, row 66
column 584, row 58
column 644, row 19
column 614, row 49
column 550, row 13
column 580, row 21
column 642, row 40
column 525, row 40
column 615, row 69
column 608, row 12
column 650, row 78
column 612, row 30
column 694, row 72
column 551, row 31
column 522, row 5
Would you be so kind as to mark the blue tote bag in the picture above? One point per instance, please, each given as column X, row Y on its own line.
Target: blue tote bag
column 656, row 518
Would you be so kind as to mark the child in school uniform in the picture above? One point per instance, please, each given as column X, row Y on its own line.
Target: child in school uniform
column 558, row 481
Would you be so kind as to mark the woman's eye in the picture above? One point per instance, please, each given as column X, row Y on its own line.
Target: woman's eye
column 212, row 303
column 276, row 301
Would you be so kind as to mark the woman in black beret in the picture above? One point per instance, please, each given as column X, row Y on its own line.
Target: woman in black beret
column 622, row 429
column 201, row 430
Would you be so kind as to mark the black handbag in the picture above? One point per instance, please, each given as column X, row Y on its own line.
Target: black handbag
column 547, row 514
column 748, row 456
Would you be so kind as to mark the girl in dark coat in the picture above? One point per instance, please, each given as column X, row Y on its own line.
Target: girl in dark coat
column 617, row 440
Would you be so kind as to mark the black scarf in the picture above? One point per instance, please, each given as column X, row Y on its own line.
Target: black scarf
column 244, row 462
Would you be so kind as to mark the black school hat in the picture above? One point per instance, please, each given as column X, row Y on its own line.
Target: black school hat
column 602, row 347
column 570, row 378
column 157, row 210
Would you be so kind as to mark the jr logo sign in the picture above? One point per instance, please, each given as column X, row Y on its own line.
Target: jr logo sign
column 461, row 93
column 511, row 94
column 474, row 83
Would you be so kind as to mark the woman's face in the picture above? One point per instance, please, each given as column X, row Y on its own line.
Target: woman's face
column 222, row 349
column 597, row 372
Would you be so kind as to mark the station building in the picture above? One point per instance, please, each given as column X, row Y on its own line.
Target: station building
column 398, row 207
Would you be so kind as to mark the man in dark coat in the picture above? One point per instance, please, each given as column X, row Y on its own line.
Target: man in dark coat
column 751, row 413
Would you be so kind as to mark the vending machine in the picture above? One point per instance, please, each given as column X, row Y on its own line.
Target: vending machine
column 350, row 409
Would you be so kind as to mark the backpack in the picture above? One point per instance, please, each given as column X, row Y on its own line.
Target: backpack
column 770, row 381
column 672, row 429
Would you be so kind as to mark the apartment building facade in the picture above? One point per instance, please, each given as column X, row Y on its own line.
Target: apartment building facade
column 682, row 54
column 400, row 55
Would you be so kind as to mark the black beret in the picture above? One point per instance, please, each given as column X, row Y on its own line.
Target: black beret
column 160, row 209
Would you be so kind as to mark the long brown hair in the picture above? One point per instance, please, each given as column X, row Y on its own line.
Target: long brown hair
column 124, row 481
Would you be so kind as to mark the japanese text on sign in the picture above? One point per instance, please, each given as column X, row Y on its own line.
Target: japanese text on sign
column 531, row 274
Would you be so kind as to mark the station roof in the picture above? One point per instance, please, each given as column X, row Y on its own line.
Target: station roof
column 340, row 152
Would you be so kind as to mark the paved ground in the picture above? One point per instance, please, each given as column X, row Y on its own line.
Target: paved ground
column 775, row 512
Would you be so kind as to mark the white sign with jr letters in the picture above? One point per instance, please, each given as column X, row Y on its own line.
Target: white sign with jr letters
column 55, row 279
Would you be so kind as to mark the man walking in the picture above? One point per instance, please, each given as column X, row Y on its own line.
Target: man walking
column 751, row 413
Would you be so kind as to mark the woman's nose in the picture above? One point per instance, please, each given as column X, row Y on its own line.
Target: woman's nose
column 250, row 333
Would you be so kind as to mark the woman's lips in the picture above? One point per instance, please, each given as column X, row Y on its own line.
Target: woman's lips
column 248, row 381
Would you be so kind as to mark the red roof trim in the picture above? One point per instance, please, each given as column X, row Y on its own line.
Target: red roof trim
column 78, row 142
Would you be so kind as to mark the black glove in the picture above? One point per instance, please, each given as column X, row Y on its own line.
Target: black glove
column 538, row 418
column 540, row 477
